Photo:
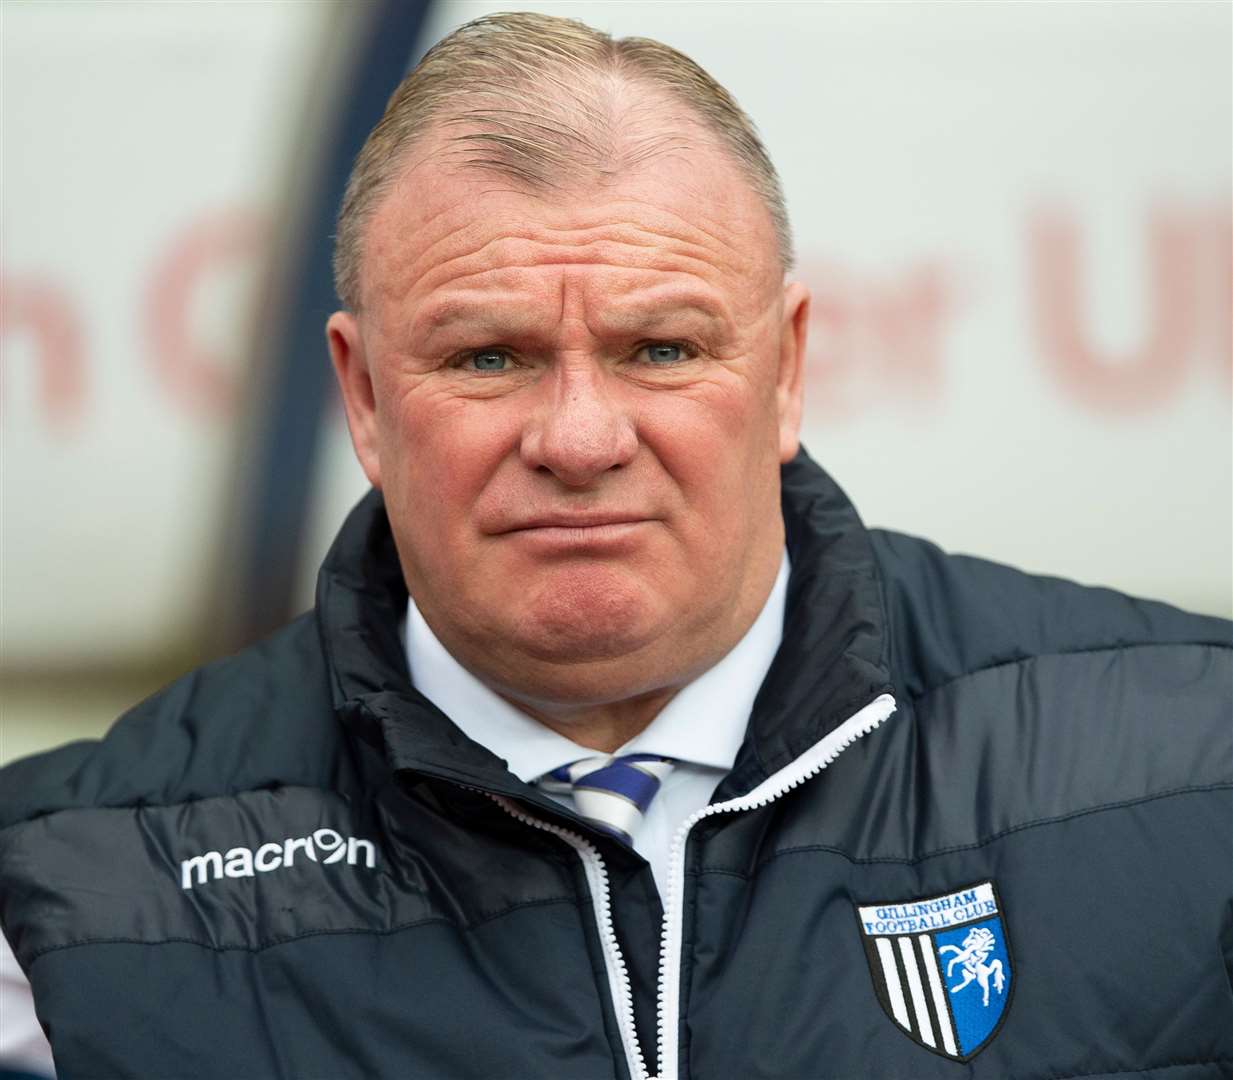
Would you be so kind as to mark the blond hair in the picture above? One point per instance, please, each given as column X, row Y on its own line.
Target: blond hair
column 533, row 97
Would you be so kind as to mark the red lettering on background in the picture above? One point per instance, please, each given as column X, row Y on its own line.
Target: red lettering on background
column 873, row 341
column 196, row 376
column 1150, row 375
column 1219, row 232
column 46, row 311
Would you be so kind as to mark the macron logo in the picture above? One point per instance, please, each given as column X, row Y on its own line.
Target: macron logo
column 245, row 862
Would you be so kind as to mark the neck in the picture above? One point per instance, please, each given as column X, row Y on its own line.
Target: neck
column 605, row 728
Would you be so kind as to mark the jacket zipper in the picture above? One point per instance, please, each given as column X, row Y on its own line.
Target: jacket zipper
column 809, row 764
column 614, row 962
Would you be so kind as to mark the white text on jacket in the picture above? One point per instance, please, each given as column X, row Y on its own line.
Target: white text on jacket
column 245, row 862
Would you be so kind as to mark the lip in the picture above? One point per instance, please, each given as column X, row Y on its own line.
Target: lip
column 594, row 534
column 576, row 521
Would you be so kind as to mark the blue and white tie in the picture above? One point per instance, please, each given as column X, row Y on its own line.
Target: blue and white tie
column 611, row 792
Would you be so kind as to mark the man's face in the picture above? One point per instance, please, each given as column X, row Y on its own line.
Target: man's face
column 576, row 406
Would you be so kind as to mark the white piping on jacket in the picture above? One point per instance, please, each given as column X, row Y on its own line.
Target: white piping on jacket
column 809, row 764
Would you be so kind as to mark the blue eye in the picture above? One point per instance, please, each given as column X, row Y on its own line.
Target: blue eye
column 664, row 353
column 489, row 360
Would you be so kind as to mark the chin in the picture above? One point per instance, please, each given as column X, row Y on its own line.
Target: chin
column 590, row 615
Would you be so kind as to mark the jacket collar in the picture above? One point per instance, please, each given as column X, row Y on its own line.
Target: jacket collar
column 834, row 657
column 831, row 663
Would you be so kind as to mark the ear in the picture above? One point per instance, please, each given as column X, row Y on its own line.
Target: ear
column 346, row 343
column 790, row 382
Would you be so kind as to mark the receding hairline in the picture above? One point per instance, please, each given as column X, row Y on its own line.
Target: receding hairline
column 646, row 123
column 570, row 111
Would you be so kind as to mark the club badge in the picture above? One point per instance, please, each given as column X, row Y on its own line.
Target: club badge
column 941, row 967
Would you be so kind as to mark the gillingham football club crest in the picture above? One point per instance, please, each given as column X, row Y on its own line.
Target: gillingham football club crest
column 941, row 967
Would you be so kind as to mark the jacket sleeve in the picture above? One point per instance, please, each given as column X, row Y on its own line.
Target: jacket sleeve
column 23, row 1047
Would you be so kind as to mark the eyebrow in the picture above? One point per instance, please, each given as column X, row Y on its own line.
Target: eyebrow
column 639, row 319
column 511, row 318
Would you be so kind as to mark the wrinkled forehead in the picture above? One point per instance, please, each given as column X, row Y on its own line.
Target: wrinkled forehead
column 675, row 203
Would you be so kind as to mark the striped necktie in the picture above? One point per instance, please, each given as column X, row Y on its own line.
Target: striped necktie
column 611, row 792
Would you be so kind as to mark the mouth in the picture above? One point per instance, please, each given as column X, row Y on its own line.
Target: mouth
column 577, row 522
column 592, row 533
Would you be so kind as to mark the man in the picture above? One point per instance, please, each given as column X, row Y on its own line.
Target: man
column 616, row 746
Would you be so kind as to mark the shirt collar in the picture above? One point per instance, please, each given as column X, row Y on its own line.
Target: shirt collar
column 704, row 724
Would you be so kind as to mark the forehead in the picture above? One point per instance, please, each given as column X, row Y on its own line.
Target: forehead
column 687, row 214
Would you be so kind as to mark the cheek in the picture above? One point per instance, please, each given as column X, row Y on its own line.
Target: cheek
column 722, row 450
column 438, row 452
column 718, row 440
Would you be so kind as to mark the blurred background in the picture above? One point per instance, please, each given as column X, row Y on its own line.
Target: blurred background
column 1016, row 220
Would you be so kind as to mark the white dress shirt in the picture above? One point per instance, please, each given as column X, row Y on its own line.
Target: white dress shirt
column 702, row 727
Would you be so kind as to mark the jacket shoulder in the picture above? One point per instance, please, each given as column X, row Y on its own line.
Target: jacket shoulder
column 258, row 719
column 954, row 615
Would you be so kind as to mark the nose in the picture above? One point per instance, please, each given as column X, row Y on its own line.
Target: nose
column 580, row 428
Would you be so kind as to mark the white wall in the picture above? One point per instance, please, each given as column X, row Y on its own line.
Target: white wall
column 144, row 150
